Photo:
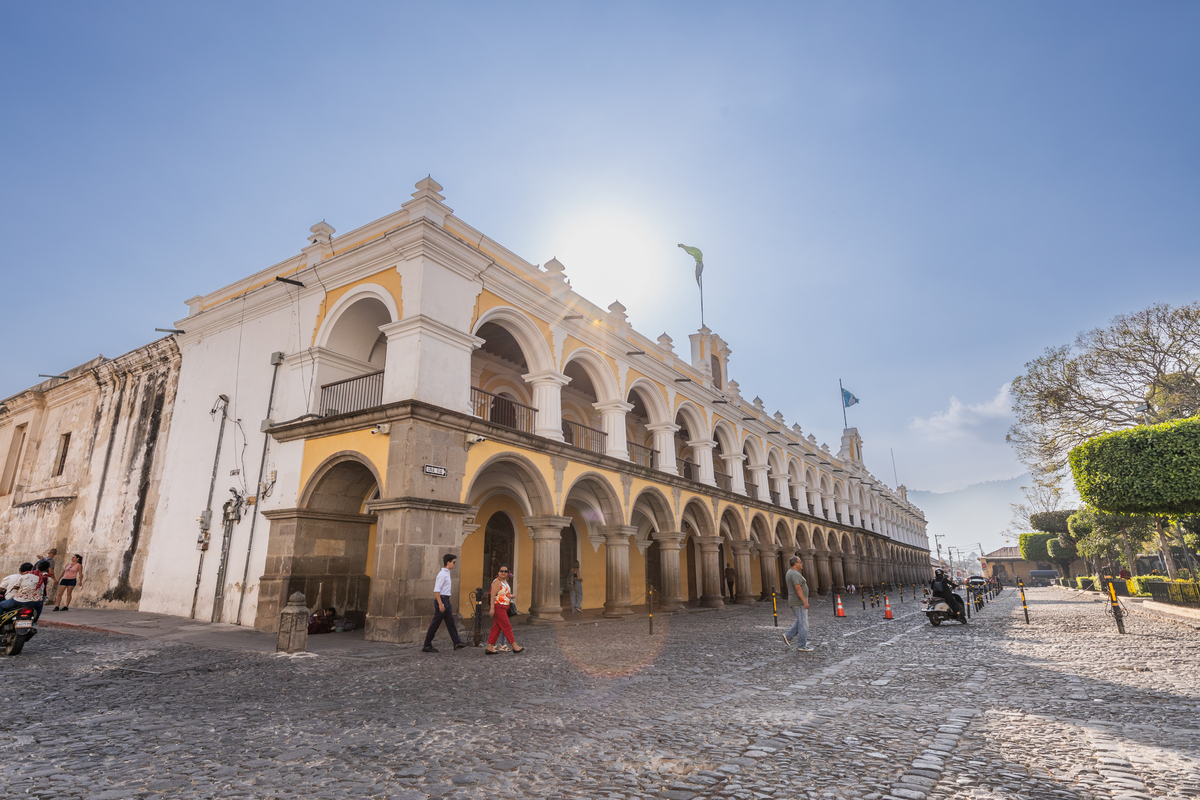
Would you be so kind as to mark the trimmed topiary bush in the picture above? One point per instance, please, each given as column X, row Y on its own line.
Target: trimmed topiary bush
column 1138, row 586
column 1152, row 469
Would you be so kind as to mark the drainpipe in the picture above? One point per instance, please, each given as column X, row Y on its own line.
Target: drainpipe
column 276, row 360
column 205, row 518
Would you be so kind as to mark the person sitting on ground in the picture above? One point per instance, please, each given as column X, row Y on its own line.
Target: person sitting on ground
column 321, row 621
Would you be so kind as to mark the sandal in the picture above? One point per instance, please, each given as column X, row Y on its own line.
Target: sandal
column 503, row 648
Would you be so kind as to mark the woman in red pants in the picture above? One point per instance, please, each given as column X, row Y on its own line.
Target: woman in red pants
column 502, row 593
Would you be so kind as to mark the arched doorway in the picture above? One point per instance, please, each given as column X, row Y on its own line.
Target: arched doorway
column 568, row 558
column 323, row 548
column 499, row 548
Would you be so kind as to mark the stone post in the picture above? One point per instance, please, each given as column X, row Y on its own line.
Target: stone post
column 293, row 626
column 616, row 583
column 547, row 399
column 546, row 604
column 710, row 564
column 664, row 443
column 670, row 596
column 612, row 416
column 741, row 559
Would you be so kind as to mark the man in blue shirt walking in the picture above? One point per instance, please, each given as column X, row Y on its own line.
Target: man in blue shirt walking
column 442, row 608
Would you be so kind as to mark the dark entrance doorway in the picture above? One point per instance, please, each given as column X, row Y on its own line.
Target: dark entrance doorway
column 568, row 554
column 653, row 569
column 498, row 541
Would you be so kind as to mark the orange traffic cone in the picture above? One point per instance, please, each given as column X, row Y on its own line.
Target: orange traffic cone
column 887, row 608
column 841, row 612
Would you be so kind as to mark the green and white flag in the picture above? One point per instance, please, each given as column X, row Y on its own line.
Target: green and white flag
column 695, row 253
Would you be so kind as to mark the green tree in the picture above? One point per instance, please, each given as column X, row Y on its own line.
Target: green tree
column 1154, row 469
column 1098, row 533
column 1096, row 385
column 1033, row 546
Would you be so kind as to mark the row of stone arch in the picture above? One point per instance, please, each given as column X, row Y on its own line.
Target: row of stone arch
column 832, row 557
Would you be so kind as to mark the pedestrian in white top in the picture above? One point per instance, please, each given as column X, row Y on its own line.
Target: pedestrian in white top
column 442, row 608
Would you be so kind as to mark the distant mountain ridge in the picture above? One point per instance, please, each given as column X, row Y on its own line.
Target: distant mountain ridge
column 972, row 516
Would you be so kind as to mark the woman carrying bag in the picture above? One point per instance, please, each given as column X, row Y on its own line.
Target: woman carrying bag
column 501, row 596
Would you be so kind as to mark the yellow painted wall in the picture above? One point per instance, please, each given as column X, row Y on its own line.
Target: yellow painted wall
column 756, row 575
column 389, row 279
column 470, row 563
column 363, row 442
column 593, row 564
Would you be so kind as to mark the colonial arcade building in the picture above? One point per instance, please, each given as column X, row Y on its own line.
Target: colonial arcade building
column 413, row 388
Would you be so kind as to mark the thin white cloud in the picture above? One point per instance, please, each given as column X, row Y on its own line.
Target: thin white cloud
column 961, row 421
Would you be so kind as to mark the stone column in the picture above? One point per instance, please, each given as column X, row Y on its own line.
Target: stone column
column 711, row 577
column 546, row 532
column 616, row 573
column 850, row 567
column 703, row 449
column 808, row 558
column 671, row 591
column 733, row 468
column 781, row 486
column 612, row 415
column 801, row 496
column 835, row 569
column 741, row 559
column 830, row 512
column 857, row 516
column 814, row 500
column 547, row 399
column 664, row 443
column 824, row 577
column 766, row 568
column 758, row 472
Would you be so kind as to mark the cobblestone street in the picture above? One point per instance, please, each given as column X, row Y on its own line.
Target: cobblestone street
column 711, row 706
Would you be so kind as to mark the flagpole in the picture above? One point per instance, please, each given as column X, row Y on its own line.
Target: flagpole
column 700, row 279
column 842, row 395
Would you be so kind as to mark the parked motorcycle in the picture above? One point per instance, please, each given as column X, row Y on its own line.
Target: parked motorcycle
column 16, row 628
column 938, row 610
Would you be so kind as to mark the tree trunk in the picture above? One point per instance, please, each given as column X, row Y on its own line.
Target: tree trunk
column 1129, row 562
column 1164, row 544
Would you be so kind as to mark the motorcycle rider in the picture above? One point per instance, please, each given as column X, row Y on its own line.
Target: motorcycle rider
column 943, row 586
column 28, row 590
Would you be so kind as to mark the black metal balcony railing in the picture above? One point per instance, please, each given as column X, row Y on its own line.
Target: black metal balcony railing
column 502, row 411
column 689, row 470
column 751, row 489
column 723, row 481
column 775, row 497
column 795, row 504
column 812, row 509
column 645, row 456
column 583, row 437
column 839, row 516
column 352, row 394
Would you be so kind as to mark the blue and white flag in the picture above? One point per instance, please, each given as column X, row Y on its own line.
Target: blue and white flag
column 848, row 399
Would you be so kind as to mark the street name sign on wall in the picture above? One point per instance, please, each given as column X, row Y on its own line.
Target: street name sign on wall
column 430, row 469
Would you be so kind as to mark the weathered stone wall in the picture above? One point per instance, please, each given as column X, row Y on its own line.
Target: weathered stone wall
column 118, row 413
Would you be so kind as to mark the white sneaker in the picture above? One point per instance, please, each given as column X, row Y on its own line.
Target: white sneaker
column 786, row 641
column 805, row 649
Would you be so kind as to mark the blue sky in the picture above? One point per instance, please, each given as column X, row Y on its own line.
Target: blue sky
column 916, row 198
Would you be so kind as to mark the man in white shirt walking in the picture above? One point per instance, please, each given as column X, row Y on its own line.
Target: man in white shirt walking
column 442, row 608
